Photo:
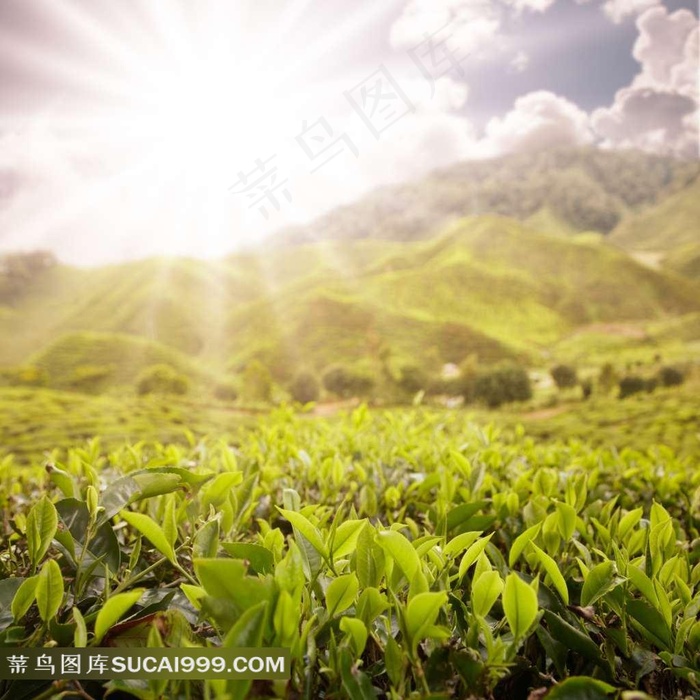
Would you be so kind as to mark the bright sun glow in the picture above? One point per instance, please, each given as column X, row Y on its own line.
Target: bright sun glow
column 170, row 104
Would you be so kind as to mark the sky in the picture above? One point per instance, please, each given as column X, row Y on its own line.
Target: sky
column 175, row 127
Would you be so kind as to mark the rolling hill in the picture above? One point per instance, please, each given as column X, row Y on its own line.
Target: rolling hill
column 557, row 191
column 409, row 273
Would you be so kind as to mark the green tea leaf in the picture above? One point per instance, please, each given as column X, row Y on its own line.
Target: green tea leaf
column 49, row 590
column 599, row 581
column 113, row 611
column 341, row 593
column 401, row 551
column 152, row 532
column 485, row 592
column 24, row 597
column 550, row 566
column 357, row 632
column 42, row 523
column 519, row 605
column 581, row 688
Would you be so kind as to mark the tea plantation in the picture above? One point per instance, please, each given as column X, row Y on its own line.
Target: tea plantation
column 396, row 554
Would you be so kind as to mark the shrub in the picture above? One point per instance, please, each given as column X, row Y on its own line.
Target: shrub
column 586, row 389
column 564, row 376
column 607, row 379
column 346, row 383
column 502, row 384
column 90, row 378
column 632, row 384
column 225, row 391
column 670, row 376
column 161, row 379
column 26, row 375
column 305, row 387
column 413, row 379
column 257, row 382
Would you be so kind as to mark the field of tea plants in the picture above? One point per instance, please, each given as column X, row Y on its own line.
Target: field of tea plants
column 396, row 554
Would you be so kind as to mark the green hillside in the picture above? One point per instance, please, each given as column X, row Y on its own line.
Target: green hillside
column 685, row 260
column 674, row 223
column 108, row 360
column 557, row 191
column 488, row 285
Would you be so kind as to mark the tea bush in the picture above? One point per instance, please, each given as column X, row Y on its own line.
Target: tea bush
column 396, row 554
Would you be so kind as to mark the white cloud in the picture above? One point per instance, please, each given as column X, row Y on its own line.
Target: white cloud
column 520, row 61
column 667, row 48
column 658, row 112
column 472, row 26
column 539, row 119
column 619, row 10
column 648, row 119
column 531, row 5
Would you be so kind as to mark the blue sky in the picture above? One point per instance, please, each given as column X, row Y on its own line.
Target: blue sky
column 138, row 128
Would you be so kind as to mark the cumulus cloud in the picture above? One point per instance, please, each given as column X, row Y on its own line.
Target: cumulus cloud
column 619, row 10
column 659, row 111
column 667, row 48
column 539, row 119
column 471, row 25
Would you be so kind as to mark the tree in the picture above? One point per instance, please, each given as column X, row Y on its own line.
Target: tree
column 632, row 384
column 162, row 379
column 502, row 384
column 564, row 376
column 607, row 378
column 305, row 387
column 346, row 383
column 413, row 379
column 257, row 382
column 670, row 376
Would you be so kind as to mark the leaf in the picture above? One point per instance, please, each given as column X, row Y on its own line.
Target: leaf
column 643, row 584
column 458, row 544
column 248, row 630
column 226, row 580
column 573, row 638
column 152, row 532
column 346, row 537
column 369, row 558
column 370, row 605
column 520, row 542
column 42, row 523
column 421, row 614
column 472, row 554
column 485, row 592
column 113, row 611
column 206, row 541
column 341, row 593
column 401, row 551
column 629, row 521
column 49, row 590
column 24, row 597
column 651, row 623
column 307, row 529
column 357, row 632
column 580, row 688
column 259, row 557
column 552, row 569
column 599, row 581
column 80, row 634
column 519, row 605
column 566, row 521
